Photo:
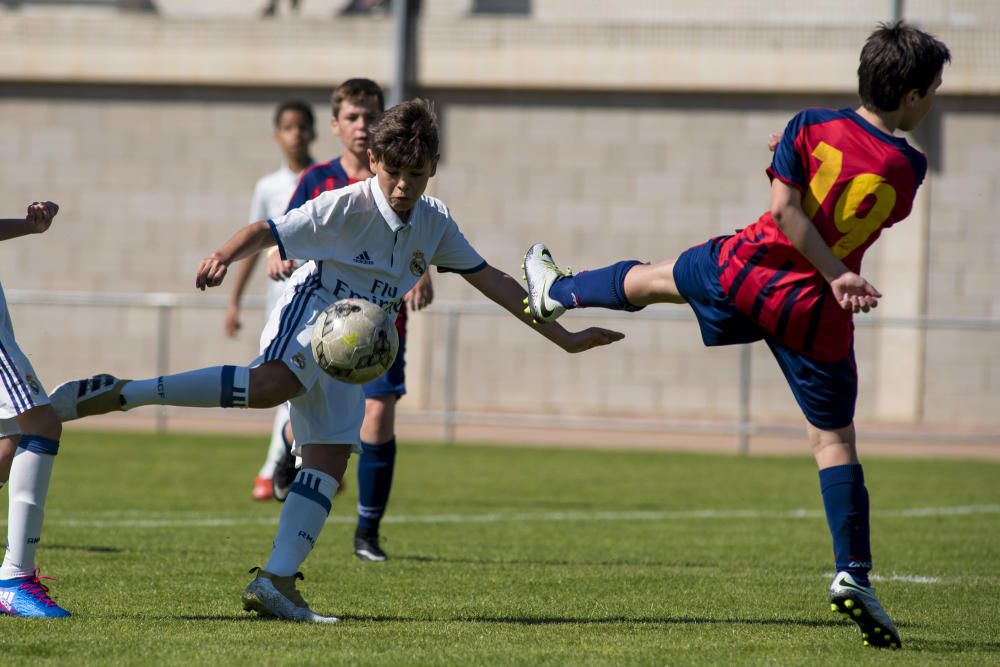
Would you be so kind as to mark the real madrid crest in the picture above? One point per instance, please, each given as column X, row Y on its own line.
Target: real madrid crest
column 418, row 265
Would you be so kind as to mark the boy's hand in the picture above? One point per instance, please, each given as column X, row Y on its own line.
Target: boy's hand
column 421, row 295
column 773, row 140
column 232, row 323
column 40, row 214
column 279, row 269
column 211, row 272
column 580, row 341
column 854, row 293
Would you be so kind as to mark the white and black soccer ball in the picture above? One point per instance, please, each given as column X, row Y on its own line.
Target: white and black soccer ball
column 354, row 341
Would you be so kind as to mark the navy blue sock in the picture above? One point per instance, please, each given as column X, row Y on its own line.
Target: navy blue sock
column 374, row 483
column 601, row 288
column 846, row 501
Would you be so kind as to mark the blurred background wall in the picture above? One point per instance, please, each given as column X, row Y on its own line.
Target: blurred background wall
column 606, row 130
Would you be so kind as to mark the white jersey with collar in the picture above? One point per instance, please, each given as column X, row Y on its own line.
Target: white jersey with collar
column 363, row 250
column 271, row 194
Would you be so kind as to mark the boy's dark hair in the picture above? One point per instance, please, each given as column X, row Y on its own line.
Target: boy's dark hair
column 406, row 135
column 295, row 105
column 896, row 59
column 357, row 91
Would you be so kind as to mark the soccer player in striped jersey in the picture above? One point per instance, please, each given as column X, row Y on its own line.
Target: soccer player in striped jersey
column 793, row 278
column 29, row 441
column 294, row 132
column 403, row 232
column 355, row 105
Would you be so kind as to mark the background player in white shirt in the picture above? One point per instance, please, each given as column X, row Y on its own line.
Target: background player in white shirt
column 29, row 441
column 294, row 132
column 400, row 233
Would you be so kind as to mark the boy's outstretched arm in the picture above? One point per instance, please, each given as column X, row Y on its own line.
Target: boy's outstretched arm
column 507, row 292
column 249, row 240
column 37, row 220
column 852, row 291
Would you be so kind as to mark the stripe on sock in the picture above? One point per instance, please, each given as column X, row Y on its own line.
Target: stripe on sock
column 39, row 445
column 307, row 485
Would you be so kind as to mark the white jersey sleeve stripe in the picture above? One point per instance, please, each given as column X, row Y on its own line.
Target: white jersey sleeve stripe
column 277, row 238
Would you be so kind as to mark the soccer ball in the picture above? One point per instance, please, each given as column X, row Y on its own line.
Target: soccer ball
column 354, row 341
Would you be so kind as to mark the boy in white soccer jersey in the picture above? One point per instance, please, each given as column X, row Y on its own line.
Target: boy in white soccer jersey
column 355, row 104
column 403, row 233
column 294, row 132
column 29, row 441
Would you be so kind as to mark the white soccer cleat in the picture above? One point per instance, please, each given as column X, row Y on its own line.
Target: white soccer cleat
column 271, row 595
column 91, row 396
column 540, row 272
column 860, row 604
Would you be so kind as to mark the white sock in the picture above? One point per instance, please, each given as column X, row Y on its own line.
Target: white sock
column 218, row 386
column 30, row 473
column 302, row 519
column 277, row 446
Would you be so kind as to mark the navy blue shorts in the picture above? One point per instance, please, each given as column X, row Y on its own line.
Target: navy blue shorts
column 826, row 391
column 393, row 382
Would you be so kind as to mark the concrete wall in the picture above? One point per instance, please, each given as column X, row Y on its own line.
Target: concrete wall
column 153, row 166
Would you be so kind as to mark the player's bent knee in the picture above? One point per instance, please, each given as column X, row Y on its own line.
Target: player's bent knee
column 41, row 420
column 271, row 384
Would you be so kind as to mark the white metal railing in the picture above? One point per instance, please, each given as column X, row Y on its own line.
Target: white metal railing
column 451, row 416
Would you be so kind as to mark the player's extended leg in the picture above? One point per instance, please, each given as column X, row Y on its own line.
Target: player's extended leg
column 845, row 498
column 265, row 386
column 626, row 285
column 375, row 469
column 21, row 591
column 273, row 592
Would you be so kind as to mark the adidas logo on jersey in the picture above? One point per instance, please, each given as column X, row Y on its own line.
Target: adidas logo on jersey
column 363, row 258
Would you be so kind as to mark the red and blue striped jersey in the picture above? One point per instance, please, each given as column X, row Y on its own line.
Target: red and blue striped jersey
column 317, row 179
column 855, row 181
column 321, row 178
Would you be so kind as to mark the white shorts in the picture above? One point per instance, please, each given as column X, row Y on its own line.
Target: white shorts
column 327, row 412
column 275, row 290
column 20, row 389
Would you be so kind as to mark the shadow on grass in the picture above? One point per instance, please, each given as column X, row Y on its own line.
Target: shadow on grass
column 536, row 620
column 537, row 561
column 89, row 549
column 525, row 620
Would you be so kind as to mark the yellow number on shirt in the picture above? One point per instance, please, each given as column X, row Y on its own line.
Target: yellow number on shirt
column 856, row 230
column 831, row 161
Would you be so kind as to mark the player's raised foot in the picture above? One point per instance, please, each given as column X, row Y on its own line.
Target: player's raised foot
column 540, row 272
column 28, row 597
column 91, row 396
column 262, row 489
column 860, row 604
column 271, row 595
column 367, row 548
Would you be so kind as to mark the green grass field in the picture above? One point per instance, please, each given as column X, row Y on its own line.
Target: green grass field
column 509, row 556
